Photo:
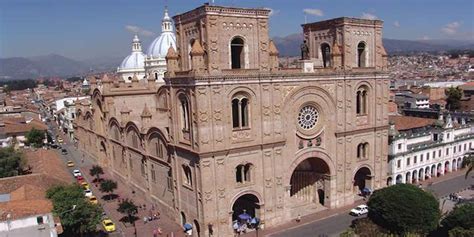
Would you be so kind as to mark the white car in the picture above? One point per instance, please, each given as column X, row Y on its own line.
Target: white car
column 76, row 173
column 87, row 193
column 359, row 210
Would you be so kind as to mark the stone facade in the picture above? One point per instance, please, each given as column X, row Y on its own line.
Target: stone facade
column 231, row 132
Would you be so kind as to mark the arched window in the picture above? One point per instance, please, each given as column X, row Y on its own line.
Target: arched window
column 191, row 42
column 187, row 178
column 326, row 53
column 362, row 150
column 153, row 174
column 243, row 173
column 240, row 112
column 184, row 112
column 170, row 180
column 361, row 100
column 156, row 75
column 361, row 55
column 237, row 53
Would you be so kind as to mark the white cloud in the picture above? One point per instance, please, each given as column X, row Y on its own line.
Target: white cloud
column 425, row 38
column 369, row 16
column 273, row 11
column 396, row 24
column 313, row 11
column 139, row 30
column 451, row 28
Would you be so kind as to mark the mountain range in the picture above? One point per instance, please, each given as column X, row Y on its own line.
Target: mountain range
column 57, row 65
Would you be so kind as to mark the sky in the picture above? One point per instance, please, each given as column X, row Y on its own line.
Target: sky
column 85, row 29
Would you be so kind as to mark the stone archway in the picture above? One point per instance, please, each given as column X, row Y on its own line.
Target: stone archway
column 362, row 179
column 427, row 173
column 308, row 181
column 414, row 175
column 399, row 179
column 247, row 203
column 408, row 178
column 389, row 181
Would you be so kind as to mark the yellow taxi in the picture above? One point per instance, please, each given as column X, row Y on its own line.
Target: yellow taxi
column 70, row 163
column 108, row 225
column 93, row 200
column 85, row 185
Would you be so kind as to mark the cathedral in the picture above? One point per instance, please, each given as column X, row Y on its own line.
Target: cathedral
column 153, row 63
column 229, row 131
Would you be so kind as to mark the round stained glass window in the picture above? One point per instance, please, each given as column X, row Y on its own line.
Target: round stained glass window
column 308, row 117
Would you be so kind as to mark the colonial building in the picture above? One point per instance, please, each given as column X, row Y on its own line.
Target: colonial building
column 231, row 132
column 422, row 148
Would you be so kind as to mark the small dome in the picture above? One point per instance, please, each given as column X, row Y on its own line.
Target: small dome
column 159, row 47
column 136, row 60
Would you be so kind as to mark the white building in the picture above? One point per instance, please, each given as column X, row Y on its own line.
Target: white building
column 64, row 113
column 426, row 151
column 154, row 63
column 40, row 225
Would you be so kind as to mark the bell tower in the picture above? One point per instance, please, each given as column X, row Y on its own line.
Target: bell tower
column 232, row 38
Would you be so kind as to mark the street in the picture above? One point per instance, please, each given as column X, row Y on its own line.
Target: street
column 336, row 224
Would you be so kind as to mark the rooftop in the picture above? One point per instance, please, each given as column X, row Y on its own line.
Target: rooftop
column 406, row 122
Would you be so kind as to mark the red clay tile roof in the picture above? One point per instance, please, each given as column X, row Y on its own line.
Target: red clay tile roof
column 24, row 208
column 406, row 122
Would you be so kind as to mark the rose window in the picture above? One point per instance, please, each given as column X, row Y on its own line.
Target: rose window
column 308, row 117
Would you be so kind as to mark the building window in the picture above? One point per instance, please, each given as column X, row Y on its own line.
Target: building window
column 237, row 54
column 188, row 180
column 40, row 220
column 439, row 153
column 170, row 180
column 326, row 54
column 142, row 167
column 159, row 149
column 447, row 151
column 434, row 154
column 408, row 161
column 361, row 101
column 427, row 156
column 362, row 150
column 153, row 175
column 134, row 140
column 361, row 55
column 399, row 163
column 454, row 151
column 399, row 146
column 421, row 158
column 460, row 148
column 184, row 111
column 240, row 112
column 242, row 173
column 415, row 159
column 116, row 134
column 465, row 146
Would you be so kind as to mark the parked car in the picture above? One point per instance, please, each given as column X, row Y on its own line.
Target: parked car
column 70, row 163
column 88, row 193
column 108, row 225
column 93, row 199
column 76, row 173
column 80, row 179
column 85, row 185
column 359, row 210
column 60, row 140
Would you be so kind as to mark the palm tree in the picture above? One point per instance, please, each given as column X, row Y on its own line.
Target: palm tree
column 469, row 163
column 96, row 171
column 127, row 207
column 108, row 186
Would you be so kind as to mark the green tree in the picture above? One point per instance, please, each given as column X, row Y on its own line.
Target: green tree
column 12, row 162
column 130, row 210
column 461, row 216
column 461, row 232
column 469, row 163
column 404, row 208
column 78, row 215
column 35, row 137
column 108, row 186
column 96, row 171
column 453, row 96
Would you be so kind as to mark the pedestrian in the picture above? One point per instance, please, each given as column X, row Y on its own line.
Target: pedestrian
column 145, row 220
column 298, row 218
column 155, row 233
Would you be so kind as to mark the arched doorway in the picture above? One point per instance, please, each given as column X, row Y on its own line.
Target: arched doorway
column 454, row 165
column 421, row 174
column 408, row 178
column 447, row 167
column 362, row 179
column 197, row 228
column 326, row 54
column 389, row 181
column 440, row 169
column 399, row 179
column 414, row 176
column 237, row 53
column 433, row 171
column 308, row 181
column 183, row 218
column 427, row 173
column 247, row 203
